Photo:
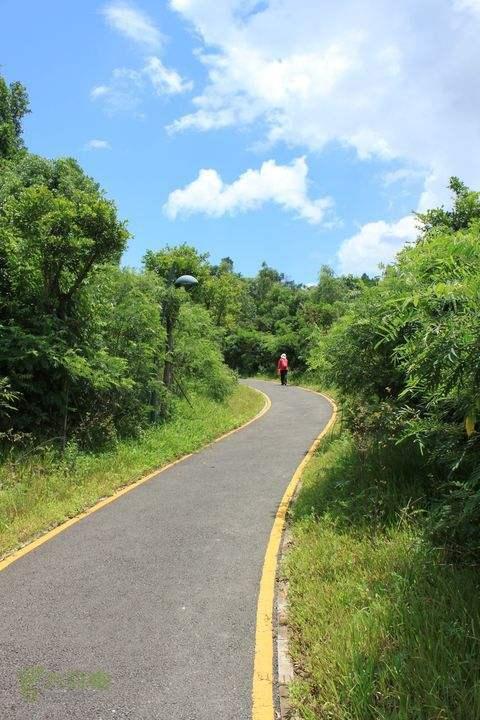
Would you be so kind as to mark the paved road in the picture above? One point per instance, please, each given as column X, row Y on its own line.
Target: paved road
column 158, row 590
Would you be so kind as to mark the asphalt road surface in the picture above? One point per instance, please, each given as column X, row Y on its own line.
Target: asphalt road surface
column 145, row 610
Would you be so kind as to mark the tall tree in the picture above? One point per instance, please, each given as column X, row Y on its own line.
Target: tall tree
column 14, row 106
column 56, row 230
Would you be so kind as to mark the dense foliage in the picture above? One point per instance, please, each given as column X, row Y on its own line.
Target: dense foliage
column 83, row 341
column 13, row 107
column 406, row 359
column 278, row 316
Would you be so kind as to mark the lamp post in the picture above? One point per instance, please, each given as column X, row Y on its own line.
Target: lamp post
column 186, row 281
column 170, row 316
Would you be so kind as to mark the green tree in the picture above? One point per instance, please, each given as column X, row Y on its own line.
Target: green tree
column 465, row 209
column 198, row 355
column 169, row 264
column 13, row 108
column 56, row 230
column 127, row 328
column 172, row 262
column 226, row 296
column 406, row 359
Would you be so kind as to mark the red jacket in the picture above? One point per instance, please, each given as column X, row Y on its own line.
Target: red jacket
column 282, row 364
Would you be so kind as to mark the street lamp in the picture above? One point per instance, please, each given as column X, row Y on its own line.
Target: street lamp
column 186, row 281
column 170, row 315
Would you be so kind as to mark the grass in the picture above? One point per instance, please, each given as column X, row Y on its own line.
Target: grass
column 42, row 490
column 382, row 626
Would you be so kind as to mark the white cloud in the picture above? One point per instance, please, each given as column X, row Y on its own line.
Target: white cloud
column 133, row 23
column 375, row 243
column 97, row 145
column 468, row 5
column 123, row 93
column 285, row 185
column 165, row 81
column 403, row 175
column 127, row 86
column 390, row 80
column 99, row 91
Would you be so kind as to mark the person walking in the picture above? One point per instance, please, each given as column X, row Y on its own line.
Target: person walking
column 282, row 368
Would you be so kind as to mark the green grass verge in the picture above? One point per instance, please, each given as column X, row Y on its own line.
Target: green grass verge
column 42, row 491
column 383, row 627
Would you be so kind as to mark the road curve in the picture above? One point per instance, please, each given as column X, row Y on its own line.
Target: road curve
column 154, row 595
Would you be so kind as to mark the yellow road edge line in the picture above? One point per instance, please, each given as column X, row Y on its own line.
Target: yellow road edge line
column 263, row 707
column 34, row 544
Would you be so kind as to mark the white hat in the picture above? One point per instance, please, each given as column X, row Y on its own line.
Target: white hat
column 283, row 355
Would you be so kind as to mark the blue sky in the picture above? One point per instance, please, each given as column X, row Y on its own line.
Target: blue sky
column 286, row 131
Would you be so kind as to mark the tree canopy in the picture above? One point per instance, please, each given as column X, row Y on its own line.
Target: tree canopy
column 14, row 106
